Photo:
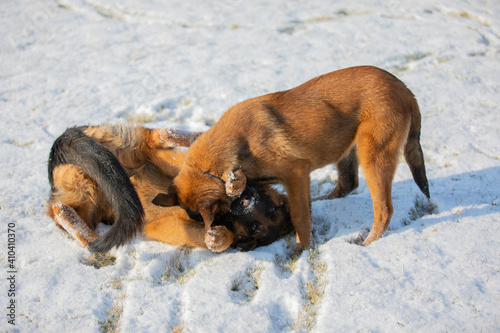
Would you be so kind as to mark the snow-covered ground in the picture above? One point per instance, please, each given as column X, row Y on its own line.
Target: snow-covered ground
column 182, row 63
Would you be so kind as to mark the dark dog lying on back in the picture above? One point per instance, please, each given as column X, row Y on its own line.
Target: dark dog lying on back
column 114, row 173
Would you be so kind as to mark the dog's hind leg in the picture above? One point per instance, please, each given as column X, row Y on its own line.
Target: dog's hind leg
column 347, row 170
column 379, row 181
column 73, row 187
column 378, row 156
column 67, row 218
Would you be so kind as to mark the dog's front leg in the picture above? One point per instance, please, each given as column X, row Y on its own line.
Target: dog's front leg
column 173, row 225
column 299, row 196
column 218, row 238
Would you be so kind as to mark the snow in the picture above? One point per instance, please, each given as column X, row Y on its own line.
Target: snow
column 181, row 64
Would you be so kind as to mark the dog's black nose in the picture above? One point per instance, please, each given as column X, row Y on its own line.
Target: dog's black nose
column 245, row 203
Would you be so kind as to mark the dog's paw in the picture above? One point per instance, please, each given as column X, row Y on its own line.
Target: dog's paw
column 70, row 221
column 236, row 182
column 218, row 238
column 171, row 138
column 372, row 236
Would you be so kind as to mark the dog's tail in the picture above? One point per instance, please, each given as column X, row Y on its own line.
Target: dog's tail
column 413, row 151
column 75, row 147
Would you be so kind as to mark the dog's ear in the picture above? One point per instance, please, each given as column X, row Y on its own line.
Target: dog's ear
column 236, row 181
column 168, row 199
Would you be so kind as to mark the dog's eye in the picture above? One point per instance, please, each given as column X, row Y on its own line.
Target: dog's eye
column 252, row 228
column 255, row 229
column 271, row 214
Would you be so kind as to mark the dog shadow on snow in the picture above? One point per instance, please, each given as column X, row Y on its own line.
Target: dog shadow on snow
column 474, row 193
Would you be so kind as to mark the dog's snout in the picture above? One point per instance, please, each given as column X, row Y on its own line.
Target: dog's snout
column 245, row 203
column 245, row 244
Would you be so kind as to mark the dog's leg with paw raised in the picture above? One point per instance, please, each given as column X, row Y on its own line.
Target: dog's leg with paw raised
column 171, row 138
column 70, row 221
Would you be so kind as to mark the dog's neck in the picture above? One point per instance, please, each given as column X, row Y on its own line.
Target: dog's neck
column 220, row 150
column 240, row 139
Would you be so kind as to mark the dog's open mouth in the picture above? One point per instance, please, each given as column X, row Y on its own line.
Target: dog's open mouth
column 244, row 244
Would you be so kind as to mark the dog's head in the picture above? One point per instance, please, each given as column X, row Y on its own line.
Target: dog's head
column 259, row 216
column 203, row 192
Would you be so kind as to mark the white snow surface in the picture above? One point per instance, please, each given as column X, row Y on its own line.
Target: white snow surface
column 181, row 64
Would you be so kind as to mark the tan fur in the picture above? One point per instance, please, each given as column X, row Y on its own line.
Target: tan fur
column 360, row 113
column 77, row 204
column 148, row 158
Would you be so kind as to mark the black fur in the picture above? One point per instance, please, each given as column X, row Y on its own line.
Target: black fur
column 415, row 159
column 74, row 147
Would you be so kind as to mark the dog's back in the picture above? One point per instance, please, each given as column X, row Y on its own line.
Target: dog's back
column 317, row 121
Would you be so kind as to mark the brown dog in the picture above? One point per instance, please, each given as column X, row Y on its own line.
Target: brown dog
column 113, row 173
column 356, row 114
